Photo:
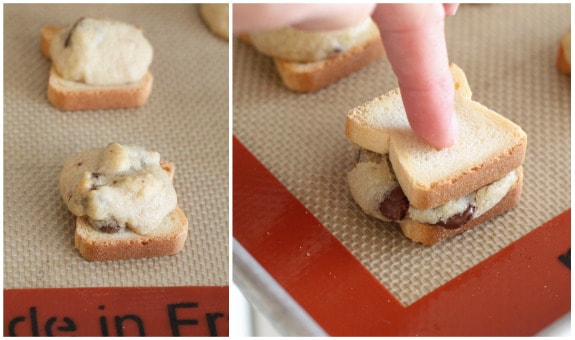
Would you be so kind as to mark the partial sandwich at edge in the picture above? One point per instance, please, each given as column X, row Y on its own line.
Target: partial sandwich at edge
column 310, row 61
column 435, row 194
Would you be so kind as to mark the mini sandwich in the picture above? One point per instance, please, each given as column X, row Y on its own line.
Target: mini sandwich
column 435, row 194
column 125, row 204
column 97, row 64
column 308, row 61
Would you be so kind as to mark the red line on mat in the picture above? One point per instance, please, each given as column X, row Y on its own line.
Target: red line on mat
column 517, row 291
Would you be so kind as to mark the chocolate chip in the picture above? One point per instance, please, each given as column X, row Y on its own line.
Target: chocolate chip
column 95, row 175
column 79, row 164
column 108, row 226
column 395, row 205
column 457, row 221
column 110, row 229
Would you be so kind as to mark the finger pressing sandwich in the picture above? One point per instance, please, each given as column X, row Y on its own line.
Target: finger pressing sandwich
column 97, row 64
column 125, row 204
column 435, row 194
column 309, row 61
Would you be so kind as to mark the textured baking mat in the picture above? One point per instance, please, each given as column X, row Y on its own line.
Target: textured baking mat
column 508, row 53
column 185, row 120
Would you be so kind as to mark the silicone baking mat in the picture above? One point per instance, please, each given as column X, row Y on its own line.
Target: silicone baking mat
column 186, row 120
column 508, row 53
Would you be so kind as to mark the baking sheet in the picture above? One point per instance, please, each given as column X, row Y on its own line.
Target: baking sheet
column 186, row 120
column 508, row 52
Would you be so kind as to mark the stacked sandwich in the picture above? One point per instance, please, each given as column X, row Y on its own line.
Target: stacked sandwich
column 435, row 194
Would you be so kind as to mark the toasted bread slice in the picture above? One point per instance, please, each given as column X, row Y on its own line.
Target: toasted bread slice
column 75, row 96
column 432, row 234
column 47, row 33
column 313, row 76
column 167, row 239
column 489, row 146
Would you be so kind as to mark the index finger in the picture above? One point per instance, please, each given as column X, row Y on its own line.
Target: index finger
column 414, row 39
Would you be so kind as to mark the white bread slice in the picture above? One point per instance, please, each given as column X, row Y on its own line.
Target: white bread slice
column 167, row 239
column 75, row 96
column 432, row 234
column 489, row 146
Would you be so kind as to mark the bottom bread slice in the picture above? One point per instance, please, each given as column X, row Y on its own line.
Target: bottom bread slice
column 168, row 239
column 313, row 76
column 74, row 96
column 432, row 234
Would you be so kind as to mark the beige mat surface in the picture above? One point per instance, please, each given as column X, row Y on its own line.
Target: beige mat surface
column 508, row 52
column 186, row 120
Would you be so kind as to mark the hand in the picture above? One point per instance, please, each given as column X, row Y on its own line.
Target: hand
column 414, row 40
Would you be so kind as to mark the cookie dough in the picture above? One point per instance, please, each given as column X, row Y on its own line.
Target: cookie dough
column 101, row 52
column 118, row 186
column 307, row 46
column 373, row 179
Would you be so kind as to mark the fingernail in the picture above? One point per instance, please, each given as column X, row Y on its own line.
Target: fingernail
column 454, row 129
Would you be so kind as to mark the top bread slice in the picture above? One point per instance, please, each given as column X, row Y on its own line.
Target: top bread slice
column 167, row 239
column 75, row 96
column 489, row 146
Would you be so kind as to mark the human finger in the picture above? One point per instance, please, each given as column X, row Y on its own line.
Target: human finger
column 414, row 39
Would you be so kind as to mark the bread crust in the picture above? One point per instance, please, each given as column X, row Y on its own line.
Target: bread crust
column 46, row 35
column 430, row 234
column 313, row 76
column 94, row 245
column 75, row 96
